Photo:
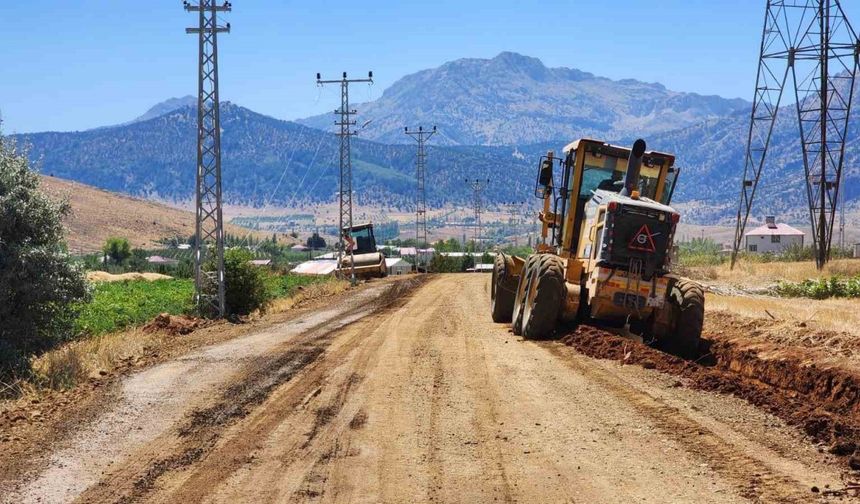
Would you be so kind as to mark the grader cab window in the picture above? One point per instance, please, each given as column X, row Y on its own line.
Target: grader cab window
column 607, row 173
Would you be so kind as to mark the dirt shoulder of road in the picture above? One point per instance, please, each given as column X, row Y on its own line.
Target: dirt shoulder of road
column 32, row 425
column 808, row 377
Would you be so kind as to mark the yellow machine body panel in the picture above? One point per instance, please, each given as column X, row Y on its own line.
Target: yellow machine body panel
column 590, row 165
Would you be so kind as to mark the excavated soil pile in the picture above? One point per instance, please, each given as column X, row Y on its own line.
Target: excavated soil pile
column 807, row 387
column 173, row 324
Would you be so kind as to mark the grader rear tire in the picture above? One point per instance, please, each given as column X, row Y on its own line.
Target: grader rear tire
column 688, row 304
column 543, row 302
column 522, row 287
column 503, row 289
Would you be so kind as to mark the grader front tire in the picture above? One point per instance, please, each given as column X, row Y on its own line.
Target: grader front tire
column 543, row 302
column 522, row 287
column 503, row 290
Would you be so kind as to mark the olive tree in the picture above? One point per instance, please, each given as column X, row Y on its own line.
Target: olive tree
column 39, row 286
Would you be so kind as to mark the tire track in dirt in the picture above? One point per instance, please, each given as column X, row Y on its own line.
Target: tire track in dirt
column 428, row 400
column 800, row 386
column 198, row 435
column 753, row 477
column 292, row 436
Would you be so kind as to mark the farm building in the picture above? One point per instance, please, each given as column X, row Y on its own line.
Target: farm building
column 316, row 267
column 772, row 237
column 162, row 261
column 397, row 266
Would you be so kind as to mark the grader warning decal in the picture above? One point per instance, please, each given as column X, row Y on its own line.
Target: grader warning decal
column 643, row 240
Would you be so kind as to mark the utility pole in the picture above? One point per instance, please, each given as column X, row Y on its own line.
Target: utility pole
column 813, row 42
column 477, row 186
column 421, row 137
column 345, row 192
column 842, row 220
column 209, row 229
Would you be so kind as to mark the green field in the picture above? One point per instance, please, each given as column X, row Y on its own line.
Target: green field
column 287, row 285
column 117, row 305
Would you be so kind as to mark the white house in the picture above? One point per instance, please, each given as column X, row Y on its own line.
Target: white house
column 772, row 237
column 397, row 266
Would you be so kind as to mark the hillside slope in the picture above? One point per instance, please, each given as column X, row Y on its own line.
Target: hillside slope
column 98, row 215
column 266, row 160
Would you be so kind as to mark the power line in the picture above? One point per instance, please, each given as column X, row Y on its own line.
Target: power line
column 477, row 186
column 209, row 229
column 421, row 137
column 345, row 189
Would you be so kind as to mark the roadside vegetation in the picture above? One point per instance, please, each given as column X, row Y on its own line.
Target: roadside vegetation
column 60, row 328
column 40, row 287
column 821, row 288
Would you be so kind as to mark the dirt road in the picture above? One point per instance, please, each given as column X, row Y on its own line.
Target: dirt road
column 416, row 396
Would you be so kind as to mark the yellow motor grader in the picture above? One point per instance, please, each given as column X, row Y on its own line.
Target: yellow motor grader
column 605, row 252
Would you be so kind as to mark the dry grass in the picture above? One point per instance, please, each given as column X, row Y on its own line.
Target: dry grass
column 308, row 293
column 97, row 215
column 76, row 361
column 830, row 314
column 103, row 276
column 755, row 274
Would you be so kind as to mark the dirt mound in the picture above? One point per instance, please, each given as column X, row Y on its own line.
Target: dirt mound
column 173, row 324
column 803, row 386
column 103, row 276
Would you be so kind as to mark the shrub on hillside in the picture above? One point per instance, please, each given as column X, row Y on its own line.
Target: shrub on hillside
column 40, row 287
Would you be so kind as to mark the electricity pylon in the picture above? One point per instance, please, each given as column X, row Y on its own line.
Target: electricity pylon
column 421, row 137
column 477, row 186
column 209, row 229
column 345, row 191
column 813, row 42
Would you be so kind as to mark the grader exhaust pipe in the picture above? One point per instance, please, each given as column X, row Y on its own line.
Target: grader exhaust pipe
column 634, row 165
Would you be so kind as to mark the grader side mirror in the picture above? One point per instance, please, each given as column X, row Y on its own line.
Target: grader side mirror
column 544, row 180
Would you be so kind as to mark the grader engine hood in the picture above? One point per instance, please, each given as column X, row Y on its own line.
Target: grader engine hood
column 637, row 235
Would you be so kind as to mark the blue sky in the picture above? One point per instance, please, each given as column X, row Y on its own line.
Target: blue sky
column 71, row 65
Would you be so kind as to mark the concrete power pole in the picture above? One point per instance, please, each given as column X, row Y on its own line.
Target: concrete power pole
column 209, row 230
column 421, row 137
column 478, row 186
column 345, row 191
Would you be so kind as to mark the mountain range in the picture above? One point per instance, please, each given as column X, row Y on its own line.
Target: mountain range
column 514, row 99
column 495, row 118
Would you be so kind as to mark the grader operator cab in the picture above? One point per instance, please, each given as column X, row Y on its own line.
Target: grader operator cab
column 607, row 233
column 361, row 250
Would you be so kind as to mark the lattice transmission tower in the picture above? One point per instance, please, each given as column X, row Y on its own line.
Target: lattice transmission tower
column 421, row 137
column 209, row 229
column 812, row 43
column 477, row 186
column 345, row 122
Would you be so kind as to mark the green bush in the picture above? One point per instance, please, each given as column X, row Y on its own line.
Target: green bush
column 117, row 250
column 699, row 252
column 821, row 288
column 246, row 285
column 117, row 305
column 40, row 286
